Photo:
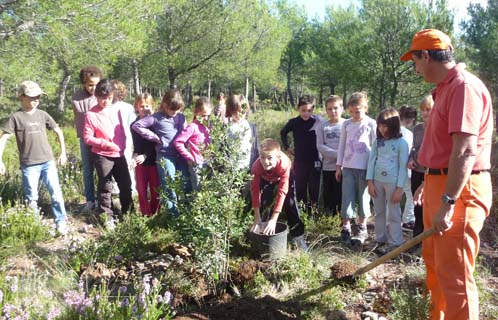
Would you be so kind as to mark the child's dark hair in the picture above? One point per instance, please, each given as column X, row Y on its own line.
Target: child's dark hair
column 390, row 118
column 358, row 99
column 235, row 104
column 220, row 96
column 333, row 98
column 89, row 72
column 104, row 88
column 305, row 100
column 173, row 99
column 407, row 113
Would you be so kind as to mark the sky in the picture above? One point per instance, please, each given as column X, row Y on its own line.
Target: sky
column 317, row 7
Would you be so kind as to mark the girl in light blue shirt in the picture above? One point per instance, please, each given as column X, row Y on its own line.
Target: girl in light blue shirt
column 386, row 176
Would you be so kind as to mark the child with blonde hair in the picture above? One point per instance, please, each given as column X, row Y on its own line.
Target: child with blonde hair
column 417, row 170
column 357, row 137
column 239, row 128
column 162, row 128
column 194, row 138
column 386, row 176
column 144, row 160
column 273, row 183
column 327, row 143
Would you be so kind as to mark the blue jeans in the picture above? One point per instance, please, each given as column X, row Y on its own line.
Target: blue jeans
column 167, row 167
column 88, row 168
column 354, row 190
column 47, row 172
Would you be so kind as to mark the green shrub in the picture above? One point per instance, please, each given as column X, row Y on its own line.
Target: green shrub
column 409, row 303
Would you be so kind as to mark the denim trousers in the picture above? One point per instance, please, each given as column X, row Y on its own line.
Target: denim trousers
column 47, row 173
column 166, row 168
column 88, row 168
column 354, row 190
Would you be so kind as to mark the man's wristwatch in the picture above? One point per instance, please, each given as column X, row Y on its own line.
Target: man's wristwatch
column 448, row 199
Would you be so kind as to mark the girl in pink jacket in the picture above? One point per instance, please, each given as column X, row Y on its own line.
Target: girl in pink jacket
column 194, row 138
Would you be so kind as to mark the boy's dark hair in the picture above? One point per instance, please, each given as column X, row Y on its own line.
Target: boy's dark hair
column 89, row 72
column 437, row 55
column 173, row 99
column 333, row 98
column 390, row 118
column 406, row 112
column 305, row 100
column 104, row 88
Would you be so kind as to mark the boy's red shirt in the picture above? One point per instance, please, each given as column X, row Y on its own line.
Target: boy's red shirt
column 280, row 174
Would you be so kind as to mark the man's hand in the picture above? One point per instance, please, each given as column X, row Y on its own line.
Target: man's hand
column 441, row 222
column 418, row 196
column 397, row 195
column 371, row 189
column 2, row 168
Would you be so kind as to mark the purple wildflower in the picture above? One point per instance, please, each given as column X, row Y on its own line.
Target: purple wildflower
column 123, row 289
column 125, row 303
column 54, row 313
column 155, row 283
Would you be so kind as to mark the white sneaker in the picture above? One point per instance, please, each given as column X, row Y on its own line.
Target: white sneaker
column 62, row 228
column 89, row 206
column 109, row 225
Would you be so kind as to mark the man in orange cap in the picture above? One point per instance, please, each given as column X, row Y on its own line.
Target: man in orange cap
column 457, row 192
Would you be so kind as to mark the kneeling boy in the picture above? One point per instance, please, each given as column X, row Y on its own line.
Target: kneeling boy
column 273, row 181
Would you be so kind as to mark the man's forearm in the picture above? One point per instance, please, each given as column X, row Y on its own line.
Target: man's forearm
column 462, row 159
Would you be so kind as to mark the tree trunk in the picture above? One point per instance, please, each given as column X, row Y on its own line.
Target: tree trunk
column 209, row 89
column 172, row 78
column 254, row 96
column 136, row 78
column 189, row 93
column 320, row 96
column 62, row 90
column 247, row 87
column 289, row 88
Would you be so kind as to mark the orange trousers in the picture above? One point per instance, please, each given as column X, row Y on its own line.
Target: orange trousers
column 450, row 258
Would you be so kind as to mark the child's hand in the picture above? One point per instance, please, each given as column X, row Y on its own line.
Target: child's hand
column 190, row 163
column 418, row 196
column 411, row 164
column 139, row 159
column 371, row 189
column 290, row 151
column 270, row 227
column 338, row 174
column 397, row 195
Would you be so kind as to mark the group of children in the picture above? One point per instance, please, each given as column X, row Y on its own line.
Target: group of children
column 361, row 160
column 358, row 159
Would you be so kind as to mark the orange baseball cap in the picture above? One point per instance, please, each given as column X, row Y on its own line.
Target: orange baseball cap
column 428, row 39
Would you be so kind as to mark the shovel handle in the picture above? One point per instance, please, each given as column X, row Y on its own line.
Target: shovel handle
column 407, row 245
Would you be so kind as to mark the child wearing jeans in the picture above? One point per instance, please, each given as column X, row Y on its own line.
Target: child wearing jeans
column 144, row 160
column 386, row 176
column 194, row 138
column 162, row 128
column 327, row 143
column 273, row 183
column 307, row 165
column 357, row 136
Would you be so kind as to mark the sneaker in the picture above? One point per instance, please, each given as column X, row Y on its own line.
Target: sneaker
column 345, row 236
column 408, row 226
column 299, row 243
column 89, row 206
column 62, row 228
column 362, row 233
column 109, row 225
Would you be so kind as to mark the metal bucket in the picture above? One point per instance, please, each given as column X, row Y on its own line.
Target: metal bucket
column 270, row 246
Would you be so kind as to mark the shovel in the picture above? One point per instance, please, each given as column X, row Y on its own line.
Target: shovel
column 351, row 278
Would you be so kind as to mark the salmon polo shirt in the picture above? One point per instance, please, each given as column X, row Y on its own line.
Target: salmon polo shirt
column 462, row 104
